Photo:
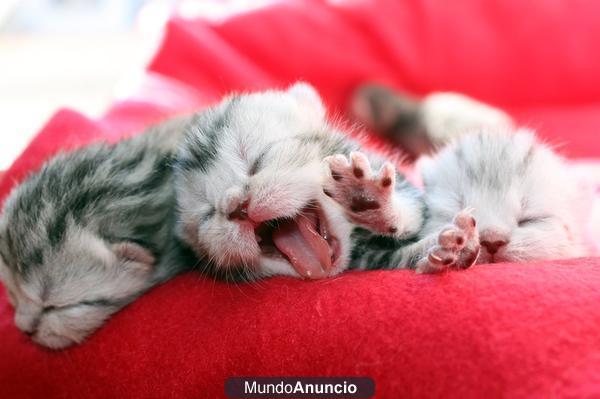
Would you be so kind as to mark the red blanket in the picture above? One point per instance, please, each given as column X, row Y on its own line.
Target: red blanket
column 506, row 330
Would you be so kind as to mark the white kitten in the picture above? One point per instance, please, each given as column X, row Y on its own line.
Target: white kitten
column 526, row 204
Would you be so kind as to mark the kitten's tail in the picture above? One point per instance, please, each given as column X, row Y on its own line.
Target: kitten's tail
column 422, row 126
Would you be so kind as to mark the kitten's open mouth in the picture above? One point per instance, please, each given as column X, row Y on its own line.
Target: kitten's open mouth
column 305, row 241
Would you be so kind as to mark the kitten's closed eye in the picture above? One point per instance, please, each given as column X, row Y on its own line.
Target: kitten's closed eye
column 95, row 302
column 524, row 221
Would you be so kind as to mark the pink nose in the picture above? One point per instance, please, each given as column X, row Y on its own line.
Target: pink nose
column 492, row 240
column 493, row 247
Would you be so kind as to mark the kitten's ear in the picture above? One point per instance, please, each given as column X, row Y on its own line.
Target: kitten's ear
column 308, row 96
column 135, row 253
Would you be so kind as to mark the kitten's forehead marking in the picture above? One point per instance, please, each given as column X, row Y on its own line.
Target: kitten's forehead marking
column 258, row 163
column 494, row 163
column 202, row 138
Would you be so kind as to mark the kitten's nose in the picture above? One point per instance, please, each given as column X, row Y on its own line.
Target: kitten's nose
column 493, row 240
column 240, row 212
column 493, row 247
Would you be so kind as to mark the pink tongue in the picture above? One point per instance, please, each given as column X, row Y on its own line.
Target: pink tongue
column 303, row 245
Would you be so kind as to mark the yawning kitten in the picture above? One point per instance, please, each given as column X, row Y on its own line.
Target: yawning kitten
column 260, row 191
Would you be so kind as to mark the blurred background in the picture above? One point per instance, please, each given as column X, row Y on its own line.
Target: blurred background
column 79, row 53
column 85, row 54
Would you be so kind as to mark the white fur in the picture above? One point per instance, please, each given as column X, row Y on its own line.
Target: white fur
column 449, row 115
column 504, row 193
column 290, row 178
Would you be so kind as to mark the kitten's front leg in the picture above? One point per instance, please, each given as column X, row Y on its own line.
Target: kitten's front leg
column 457, row 246
column 368, row 197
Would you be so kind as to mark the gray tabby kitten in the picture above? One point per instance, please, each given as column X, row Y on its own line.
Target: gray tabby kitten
column 89, row 233
column 266, row 186
column 421, row 126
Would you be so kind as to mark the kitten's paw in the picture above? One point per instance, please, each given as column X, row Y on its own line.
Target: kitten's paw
column 457, row 246
column 366, row 196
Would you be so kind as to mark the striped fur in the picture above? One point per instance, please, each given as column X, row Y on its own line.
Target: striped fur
column 88, row 233
column 265, row 150
column 518, row 190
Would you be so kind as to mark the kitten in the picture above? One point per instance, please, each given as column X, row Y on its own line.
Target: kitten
column 526, row 204
column 88, row 233
column 419, row 126
column 266, row 186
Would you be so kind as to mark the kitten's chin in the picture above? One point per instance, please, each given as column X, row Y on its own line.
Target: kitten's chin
column 531, row 255
column 53, row 341
column 499, row 257
column 486, row 259
column 59, row 337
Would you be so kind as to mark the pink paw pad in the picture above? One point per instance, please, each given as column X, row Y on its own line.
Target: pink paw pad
column 366, row 195
column 457, row 246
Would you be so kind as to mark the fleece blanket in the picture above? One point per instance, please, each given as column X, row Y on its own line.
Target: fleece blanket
column 503, row 330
